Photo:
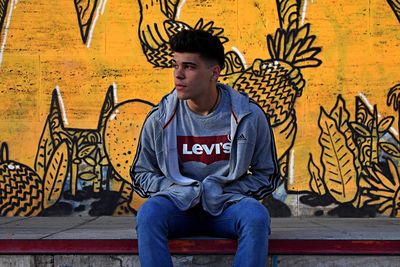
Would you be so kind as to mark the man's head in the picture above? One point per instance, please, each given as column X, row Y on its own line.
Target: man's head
column 198, row 60
column 201, row 42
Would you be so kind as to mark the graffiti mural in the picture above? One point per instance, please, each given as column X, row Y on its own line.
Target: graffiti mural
column 98, row 161
column 68, row 150
column 275, row 83
column 21, row 188
column 95, row 160
column 87, row 12
column 154, row 35
column 5, row 16
column 3, row 12
column 358, row 169
column 395, row 5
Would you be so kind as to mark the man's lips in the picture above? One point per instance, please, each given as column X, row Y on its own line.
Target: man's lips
column 180, row 86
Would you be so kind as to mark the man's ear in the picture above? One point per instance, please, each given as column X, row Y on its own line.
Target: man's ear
column 216, row 72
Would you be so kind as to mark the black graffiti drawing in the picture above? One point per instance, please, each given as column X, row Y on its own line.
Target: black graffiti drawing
column 338, row 159
column 277, row 82
column 100, row 158
column 395, row 5
column 21, row 189
column 3, row 13
column 155, row 31
column 87, row 162
column 85, row 12
column 393, row 100
column 23, row 192
column 83, row 144
column 358, row 170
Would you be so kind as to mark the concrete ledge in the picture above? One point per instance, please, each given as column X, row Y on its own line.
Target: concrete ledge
column 116, row 235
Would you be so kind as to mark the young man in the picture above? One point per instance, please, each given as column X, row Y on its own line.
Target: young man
column 205, row 154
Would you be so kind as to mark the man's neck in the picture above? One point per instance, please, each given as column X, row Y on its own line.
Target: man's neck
column 206, row 104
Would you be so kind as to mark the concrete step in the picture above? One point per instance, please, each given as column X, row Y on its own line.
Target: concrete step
column 111, row 241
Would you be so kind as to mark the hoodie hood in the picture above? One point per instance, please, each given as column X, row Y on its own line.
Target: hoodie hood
column 169, row 104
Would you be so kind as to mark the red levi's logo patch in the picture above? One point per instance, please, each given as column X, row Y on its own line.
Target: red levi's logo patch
column 206, row 149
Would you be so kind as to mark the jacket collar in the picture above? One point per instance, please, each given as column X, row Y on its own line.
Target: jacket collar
column 240, row 106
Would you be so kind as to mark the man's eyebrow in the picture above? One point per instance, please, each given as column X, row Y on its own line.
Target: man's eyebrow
column 185, row 62
column 189, row 63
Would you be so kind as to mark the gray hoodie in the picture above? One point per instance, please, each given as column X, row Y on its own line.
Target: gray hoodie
column 253, row 166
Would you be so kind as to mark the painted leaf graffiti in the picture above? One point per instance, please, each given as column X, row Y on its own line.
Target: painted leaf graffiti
column 341, row 116
column 85, row 151
column 92, row 175
column 87, row 176
column 340, row 174
column 374, row 138
column 90, row 161
column 390, row 149
column 104, row 161
column 360, row 129
column 55, row 175
column 339, row 112
column 3, row 152
column 44, row 151
column 385, row 124
column 316, row 182
column 383, row 190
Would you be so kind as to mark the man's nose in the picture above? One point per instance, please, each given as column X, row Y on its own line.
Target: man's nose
column 179, row 73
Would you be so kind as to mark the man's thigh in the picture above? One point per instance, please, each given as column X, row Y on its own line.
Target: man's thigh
column 161, row 212
column 243, row 213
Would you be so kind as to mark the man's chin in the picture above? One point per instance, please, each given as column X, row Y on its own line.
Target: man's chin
column 182, row 96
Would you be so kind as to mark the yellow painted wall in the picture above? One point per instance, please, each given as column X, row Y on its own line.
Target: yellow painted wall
column 42, row 49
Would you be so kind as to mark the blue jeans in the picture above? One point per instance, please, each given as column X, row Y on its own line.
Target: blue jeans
column 159, row 219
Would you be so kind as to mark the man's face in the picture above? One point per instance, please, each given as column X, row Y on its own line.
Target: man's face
column 194, row 76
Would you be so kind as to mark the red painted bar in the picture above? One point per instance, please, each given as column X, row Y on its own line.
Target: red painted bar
column 201, row 246
column 331, row 247
column 68, row 246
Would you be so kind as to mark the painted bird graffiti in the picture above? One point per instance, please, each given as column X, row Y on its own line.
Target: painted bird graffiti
column 158, row 24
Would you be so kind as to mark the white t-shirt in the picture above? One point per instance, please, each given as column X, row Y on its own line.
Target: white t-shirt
column 204, row 142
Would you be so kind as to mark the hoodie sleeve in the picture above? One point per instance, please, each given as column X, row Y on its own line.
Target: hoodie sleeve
column 146, row 175
column 262, row 177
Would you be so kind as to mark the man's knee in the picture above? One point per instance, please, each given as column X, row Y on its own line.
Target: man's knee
column 153, row 211
column 255, row 216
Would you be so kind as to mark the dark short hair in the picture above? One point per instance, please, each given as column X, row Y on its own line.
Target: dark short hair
column 198, row 41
